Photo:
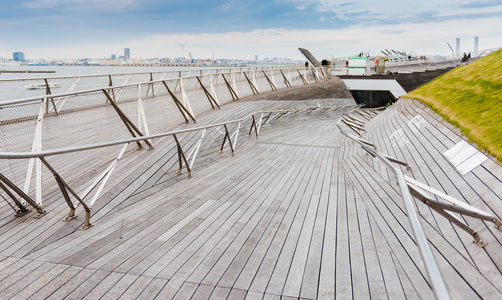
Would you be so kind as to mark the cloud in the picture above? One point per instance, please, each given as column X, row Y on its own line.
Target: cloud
column 102, row 27
column 423, row 39
column 77, row 4
column 479, row 3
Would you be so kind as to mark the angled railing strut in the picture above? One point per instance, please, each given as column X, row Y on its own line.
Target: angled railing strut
column 21, row 194
column 303, row 78
column 127, row 122
column 64, row 188
column 184, row 111
column 272, row 85
column 253, row 88
column 208, row 94
column 286, row 81
column 232, row 92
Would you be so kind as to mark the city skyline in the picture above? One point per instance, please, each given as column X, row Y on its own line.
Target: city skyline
column 243, row 29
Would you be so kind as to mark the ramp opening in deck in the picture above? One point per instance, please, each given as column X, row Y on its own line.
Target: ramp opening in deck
column 374, row 92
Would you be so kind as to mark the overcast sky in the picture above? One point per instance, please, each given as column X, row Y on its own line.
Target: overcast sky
column 243, row 29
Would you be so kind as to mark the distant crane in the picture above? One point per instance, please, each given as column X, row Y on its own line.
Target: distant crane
column 182, row 49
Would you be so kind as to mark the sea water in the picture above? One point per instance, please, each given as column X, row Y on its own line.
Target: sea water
column 11, row 90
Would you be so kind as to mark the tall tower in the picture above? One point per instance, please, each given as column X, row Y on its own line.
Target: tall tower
column 457, row 47
column 127, row 53
column 476, row 41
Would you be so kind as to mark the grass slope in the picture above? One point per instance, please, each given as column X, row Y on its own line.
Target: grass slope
column 470, row 97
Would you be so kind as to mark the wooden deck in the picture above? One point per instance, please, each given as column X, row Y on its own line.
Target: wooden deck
column 300, row 212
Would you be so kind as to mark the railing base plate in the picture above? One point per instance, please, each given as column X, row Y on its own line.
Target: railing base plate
column 21, row 213
column 68, row 219
column 85, row 227
column 39, row 215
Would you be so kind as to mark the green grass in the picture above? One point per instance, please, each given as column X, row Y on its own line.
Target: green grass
column 470, row 97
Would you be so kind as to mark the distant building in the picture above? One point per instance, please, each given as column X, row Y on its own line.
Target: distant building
column 127, row 53
column 114, row 56
column 18, row 56
column 256, row 57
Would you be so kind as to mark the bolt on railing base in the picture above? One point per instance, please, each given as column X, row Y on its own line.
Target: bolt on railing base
column 498, row 224
column 40, row 214
column 85, row 227
column 478, row 240
column 22, row 212
column 87, row 223
column 71, row 216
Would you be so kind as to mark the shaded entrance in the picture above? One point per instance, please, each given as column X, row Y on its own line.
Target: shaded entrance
column 374, row 92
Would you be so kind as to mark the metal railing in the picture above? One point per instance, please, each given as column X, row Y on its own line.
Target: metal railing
column 408, row 187
column 90, row 81
column 431, row 266
column 52, row 108
column 55, row 121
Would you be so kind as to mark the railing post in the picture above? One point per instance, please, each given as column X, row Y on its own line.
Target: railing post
column 213, row 91
column 130, row 125
column 225, row 139
column 253, row 125
column 22, row 210
column 232, row 74
column 180, row 106
column 142, row 122
column 22, row 194
column 36, row 146
column 65, row 187
column 181, row 156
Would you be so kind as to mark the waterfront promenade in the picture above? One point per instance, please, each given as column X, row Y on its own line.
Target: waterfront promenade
column 300, row 212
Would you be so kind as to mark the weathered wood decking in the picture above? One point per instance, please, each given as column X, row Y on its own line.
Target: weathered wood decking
column 299, row 213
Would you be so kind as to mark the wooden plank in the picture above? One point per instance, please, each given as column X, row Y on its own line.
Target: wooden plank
column 155, row 268
column 343, row 282
column 169, row 290
column 249, row 237
column 248, row 272
column 71, row 283
column 454, row 260
column 104, row 286
column 311, row 280
column 85, row 287
column 282, row 267
column 22, row 274
column 43, row 282
column 271, row 297
column 13, row 267
column 217, row 243
column 23, row 285
column 135, row 289
column 308, row 246
column 397, row 237
column 458, row 187
column 326, row 289
column 153, row 289
column 391, row 279
column 254, row 296
column 120, row 286
column 203, row 292
column 273, row 252
column 355, row 208
column 220, row 293
column 236, row 294
column 186, row 291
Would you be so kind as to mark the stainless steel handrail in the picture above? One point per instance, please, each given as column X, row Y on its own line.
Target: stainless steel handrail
column 156, row 72
column 39, row 154
column 96, row 90
column 5, row 183
column 436, row 278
